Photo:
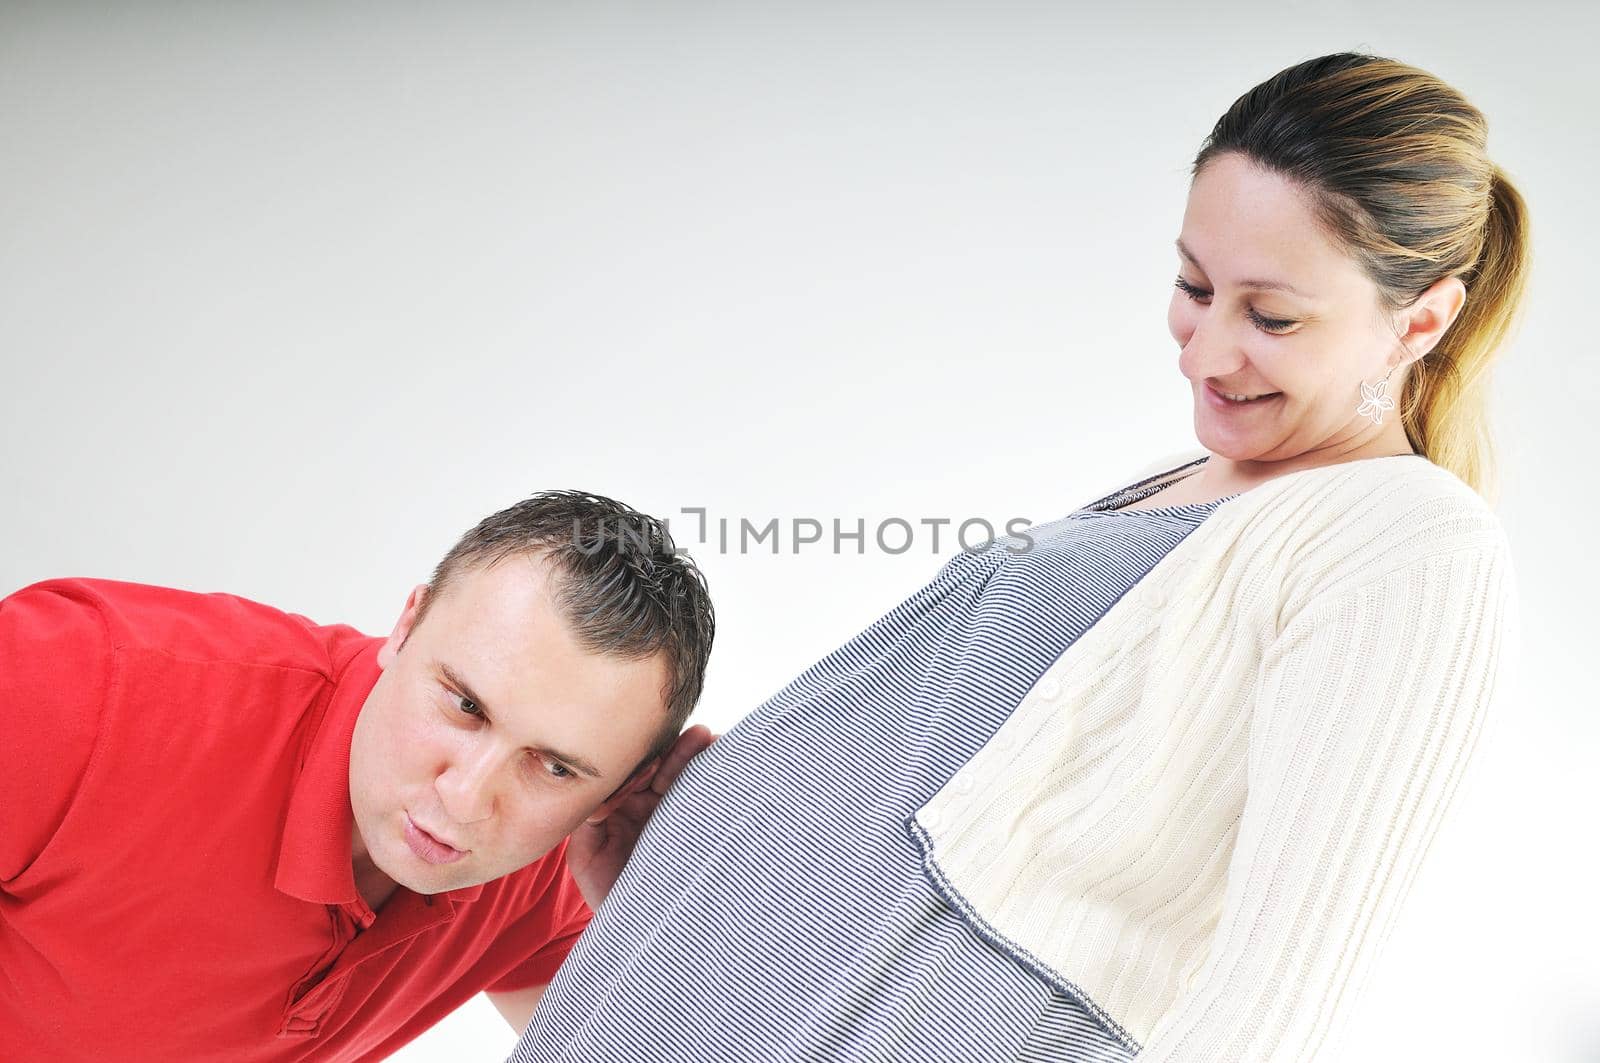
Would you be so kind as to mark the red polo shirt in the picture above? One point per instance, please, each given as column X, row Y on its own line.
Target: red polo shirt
column 175, row 878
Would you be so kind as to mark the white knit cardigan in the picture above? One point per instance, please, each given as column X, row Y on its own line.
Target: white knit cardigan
column 1205, row 815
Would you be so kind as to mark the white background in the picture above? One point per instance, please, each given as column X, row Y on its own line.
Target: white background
column 293, row 294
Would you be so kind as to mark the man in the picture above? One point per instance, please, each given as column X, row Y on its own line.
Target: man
column 229, row 833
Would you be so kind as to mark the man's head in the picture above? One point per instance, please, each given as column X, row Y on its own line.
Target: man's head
column 530, row 685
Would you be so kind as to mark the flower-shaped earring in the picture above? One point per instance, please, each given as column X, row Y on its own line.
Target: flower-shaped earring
column 1374, row 401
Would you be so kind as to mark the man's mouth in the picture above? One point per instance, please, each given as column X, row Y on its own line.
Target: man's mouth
column 428, row 847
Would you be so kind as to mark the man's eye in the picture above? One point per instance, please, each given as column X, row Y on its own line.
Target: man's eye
column 467, row 705
column 559, row 770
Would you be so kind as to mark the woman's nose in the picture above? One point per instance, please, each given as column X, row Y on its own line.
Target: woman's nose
column 1208, row 351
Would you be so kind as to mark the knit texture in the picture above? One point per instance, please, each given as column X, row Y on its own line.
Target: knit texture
column 1206, row 814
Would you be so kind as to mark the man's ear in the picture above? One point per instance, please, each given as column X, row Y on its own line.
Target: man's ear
column 402, row 626
column 639, row 780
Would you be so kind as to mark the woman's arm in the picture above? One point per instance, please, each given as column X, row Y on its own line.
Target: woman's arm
column 1369, row 705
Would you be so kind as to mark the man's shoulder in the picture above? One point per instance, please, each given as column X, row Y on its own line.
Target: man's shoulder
column 187, row 626
column 543, row 889
column 536, row 911
column 108, row 687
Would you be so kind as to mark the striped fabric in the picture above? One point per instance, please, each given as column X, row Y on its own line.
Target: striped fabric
column 776, row 907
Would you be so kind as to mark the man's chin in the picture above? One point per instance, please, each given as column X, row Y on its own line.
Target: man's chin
column 411, row 872
column 428, row 881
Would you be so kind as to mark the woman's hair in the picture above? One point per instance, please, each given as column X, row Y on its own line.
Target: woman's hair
column 1393, row 160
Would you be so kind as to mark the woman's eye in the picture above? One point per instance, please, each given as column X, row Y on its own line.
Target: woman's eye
column 559, row 771
column 1265, row 324
column 1269, row 324
column 467, row 705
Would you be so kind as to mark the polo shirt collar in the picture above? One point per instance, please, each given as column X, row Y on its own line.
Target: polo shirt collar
column 314, row 862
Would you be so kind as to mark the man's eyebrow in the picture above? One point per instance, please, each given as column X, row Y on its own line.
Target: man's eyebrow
column 577, row 763
column 1260, row 285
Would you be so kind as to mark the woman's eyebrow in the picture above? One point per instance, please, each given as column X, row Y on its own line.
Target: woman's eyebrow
column 1259, row 285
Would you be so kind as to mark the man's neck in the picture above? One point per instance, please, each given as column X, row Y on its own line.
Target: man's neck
column 374, row 886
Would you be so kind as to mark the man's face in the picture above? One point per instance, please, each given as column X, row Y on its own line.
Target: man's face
column 492, row 734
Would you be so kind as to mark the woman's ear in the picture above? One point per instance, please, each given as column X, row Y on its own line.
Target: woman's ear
column 1430, row 315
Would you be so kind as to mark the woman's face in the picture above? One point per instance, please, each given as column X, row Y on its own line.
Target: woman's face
column 1264, row 304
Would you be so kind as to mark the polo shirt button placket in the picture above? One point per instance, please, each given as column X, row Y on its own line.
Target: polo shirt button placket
column 299, row 1026
column 305, row 1016
column 303, row 1020
column 314, row 997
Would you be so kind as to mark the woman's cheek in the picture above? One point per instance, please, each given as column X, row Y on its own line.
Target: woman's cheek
column 1180, row 319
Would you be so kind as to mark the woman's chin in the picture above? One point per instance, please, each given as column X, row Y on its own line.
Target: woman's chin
column 1223, row 439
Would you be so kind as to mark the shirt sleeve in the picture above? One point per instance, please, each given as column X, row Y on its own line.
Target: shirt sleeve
column 1369, row 705
column 56, row 668
column 565, row 913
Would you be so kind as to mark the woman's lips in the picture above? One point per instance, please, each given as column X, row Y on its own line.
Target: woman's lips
column 429, row 848
column 1217, row 402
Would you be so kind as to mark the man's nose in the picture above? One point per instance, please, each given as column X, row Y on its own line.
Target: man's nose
column 467, row 786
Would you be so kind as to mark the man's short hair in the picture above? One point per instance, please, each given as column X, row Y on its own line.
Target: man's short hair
column 622, row 584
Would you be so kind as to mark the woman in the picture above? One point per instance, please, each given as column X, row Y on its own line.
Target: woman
column 1152, row 780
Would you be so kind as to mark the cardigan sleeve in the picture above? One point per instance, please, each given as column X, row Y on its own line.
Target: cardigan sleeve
column 1367, row 708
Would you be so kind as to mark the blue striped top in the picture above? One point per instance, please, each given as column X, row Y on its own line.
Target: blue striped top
column 777, row 906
